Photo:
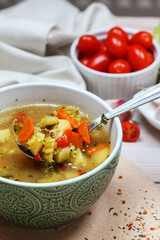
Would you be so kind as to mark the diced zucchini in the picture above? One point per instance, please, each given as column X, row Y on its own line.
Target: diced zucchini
column 4, row 135
column 62, row 154
column 36, row 142
column 99, row 156
column 80, row 158
column 48, row 149
column 48, row 121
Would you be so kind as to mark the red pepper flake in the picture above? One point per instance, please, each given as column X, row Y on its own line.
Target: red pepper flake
column 119, row 192
column 63, row 168
column 86, row 238
column 152, row 229
column 120, row 177
column 89, row 213
column 145, row 212
column 130, row 226
column 123, row 202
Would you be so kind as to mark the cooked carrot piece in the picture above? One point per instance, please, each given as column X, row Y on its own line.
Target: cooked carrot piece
column 76, row 140
column 27, row 130
column 91, row 150
column 62, row 114
column 83, row 131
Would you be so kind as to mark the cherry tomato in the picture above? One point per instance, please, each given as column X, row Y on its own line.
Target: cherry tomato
column 150, row 57
column 142, row 38
column 103, row 48
column 100, row 62
column 119, row 32
column 119, row 66
column 65, row 140
column 137, row 57
column 84, row 61
column 88, row 45
column 131, row 131
column 117, row 46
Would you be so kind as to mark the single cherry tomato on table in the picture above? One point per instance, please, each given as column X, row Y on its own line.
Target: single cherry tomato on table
column 100, row 62
column 119, row 66
column 131, row 131
column 119, row 32
column 88, row 45
column 137, row 57
column 117, row 46
column 143, row 38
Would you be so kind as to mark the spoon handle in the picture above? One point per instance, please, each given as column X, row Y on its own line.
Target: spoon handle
column 141, row 98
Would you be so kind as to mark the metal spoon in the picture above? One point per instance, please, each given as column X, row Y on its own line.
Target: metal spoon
column 142, row 98
column 25, row 151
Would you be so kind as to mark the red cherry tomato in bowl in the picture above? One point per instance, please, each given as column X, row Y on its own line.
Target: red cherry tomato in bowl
column 117, row 46
column 100, row 62
column 84, row 61
column 131, row 131
column 103, row 49
column 119, row 32
column 119, row 66
column 142, row 38
column 137, row 56
column 150, row 57
column 88, row 45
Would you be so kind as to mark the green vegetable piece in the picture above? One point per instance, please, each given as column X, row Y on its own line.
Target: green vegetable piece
column 48, row 149
column 48, row 121
column 156, row 33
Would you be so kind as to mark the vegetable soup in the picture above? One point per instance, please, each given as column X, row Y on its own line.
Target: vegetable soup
column 57, row 137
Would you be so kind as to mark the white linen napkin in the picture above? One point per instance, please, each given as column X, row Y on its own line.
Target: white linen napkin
column 32, row 29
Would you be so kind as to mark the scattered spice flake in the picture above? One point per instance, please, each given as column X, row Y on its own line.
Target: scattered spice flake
column 115, row 214
column 138, row 219
column 111, row 209
column 119, row 192
column 86, row 238
column 145, row 212
column 123, row 201
column 120, row 177
column 89, row 213
column 152, row 229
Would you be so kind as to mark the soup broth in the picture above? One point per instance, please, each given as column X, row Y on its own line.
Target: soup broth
column 58, row 139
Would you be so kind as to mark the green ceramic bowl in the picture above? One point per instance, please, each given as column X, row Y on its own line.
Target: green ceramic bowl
column 50, row 205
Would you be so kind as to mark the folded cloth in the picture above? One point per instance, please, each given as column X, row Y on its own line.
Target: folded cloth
column 30, row 28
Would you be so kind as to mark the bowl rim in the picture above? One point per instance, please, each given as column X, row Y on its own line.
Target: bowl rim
column 86, row 175
column 113, row 76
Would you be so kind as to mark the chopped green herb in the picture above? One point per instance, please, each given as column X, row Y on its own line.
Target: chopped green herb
column 104, row 120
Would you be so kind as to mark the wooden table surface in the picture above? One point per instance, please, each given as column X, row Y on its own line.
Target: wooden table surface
column 145, row 153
